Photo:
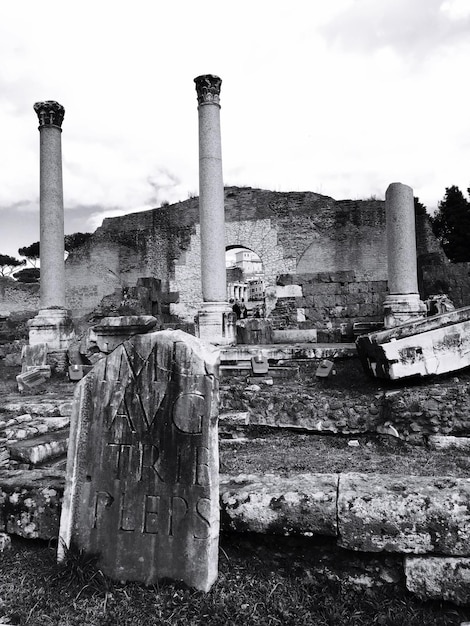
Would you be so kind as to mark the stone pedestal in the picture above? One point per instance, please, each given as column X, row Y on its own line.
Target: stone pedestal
column 402, row 308
column 52, row 326
column 403, row 304
column 216, row 324
column 213, row 322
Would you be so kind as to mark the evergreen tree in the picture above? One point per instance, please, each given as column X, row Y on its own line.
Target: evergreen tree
column 32, row 253
column 451, row 225
column 8, row 264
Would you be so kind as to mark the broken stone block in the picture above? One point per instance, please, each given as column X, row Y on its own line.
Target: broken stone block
column 77, row 372
column 324, row 369
column 30, row 502
column 32, row 356
column 142, row 469
column 5, row 542
column 435, row 345
column 12, row 360
column 446, row 442
column 40, row 449
column 409, row 514
column 304, row 504
column 112, row 331
column 439, row 578
column 254, row 331
column 33, row 379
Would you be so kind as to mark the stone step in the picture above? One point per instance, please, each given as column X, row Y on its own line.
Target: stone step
column 40, row 449
column 280, row 353
column 244, row 368
column 23, row 427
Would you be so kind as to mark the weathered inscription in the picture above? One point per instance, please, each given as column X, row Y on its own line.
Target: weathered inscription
column 149, row 496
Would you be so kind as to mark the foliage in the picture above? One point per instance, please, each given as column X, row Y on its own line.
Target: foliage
column 31, row 253
column 75, row 240
column 451, row 225
column 8, row 264
column 28, row 275
column 420, row 209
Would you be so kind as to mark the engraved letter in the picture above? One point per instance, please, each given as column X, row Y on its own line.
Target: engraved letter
column 202, row 466
column 103, row 500
column 125, row 516
column 203, row 507
column 149, row 455
column 122, row 464
column 188, row 413
column 151, row 513
column 177, row 512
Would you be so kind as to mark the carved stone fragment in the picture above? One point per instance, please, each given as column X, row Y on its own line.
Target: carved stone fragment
column 142, row 469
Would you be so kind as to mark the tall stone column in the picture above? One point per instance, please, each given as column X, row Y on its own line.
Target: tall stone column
column 51, row 204
column 215, row 321
column 403, row 303
column 53, row 324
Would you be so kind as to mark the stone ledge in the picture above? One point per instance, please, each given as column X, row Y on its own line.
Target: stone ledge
column 305, row 503
column 439, row 578
column 368, row 513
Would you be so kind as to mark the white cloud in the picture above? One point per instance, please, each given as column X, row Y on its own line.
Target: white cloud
column 336, row 96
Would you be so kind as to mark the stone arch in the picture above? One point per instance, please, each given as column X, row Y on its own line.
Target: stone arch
column 257, row 235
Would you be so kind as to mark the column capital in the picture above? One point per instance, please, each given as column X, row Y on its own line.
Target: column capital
column 50, row 113
column 208, row 89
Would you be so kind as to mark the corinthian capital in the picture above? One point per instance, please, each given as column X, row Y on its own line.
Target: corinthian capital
column 208, row 89
column 50, row 113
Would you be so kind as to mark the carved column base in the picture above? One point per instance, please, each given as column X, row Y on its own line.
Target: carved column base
column 402, row 308
column 54, row 327
column 216, row 324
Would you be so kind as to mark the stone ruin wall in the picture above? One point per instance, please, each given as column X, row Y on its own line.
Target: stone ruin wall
column 16, row 296
column 335, row 251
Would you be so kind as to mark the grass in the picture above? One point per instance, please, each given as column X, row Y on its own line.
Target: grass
column 288, row 453
column 263, row 581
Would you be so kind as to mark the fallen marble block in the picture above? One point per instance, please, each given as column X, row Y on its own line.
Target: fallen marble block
column 435, row 345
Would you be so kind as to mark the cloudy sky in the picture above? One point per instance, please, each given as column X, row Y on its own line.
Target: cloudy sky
column 340, row 97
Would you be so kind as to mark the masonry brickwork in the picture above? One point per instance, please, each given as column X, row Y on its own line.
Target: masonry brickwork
column 303, row 235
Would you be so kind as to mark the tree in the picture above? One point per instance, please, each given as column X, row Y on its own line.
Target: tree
column 451, row 225
column 75, row 240
column 420, row 209
column 28, row 275
column 8, row 264
column 31, row 253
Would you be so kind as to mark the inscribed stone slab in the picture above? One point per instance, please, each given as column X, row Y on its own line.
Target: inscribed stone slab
column 142, row 469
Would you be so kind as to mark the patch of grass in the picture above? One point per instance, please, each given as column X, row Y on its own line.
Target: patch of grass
column 287, row 452
column 262, row 580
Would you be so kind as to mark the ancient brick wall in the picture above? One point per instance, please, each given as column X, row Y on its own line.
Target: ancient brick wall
column 298, row 233
column 330, row 301
column 16, row 296
column 290, row 232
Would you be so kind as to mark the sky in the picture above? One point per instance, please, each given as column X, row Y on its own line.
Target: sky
column 338, row 97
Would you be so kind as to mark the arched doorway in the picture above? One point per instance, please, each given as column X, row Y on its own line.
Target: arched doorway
column 245, row 277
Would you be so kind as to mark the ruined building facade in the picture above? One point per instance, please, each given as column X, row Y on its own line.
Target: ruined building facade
column 324, row 261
